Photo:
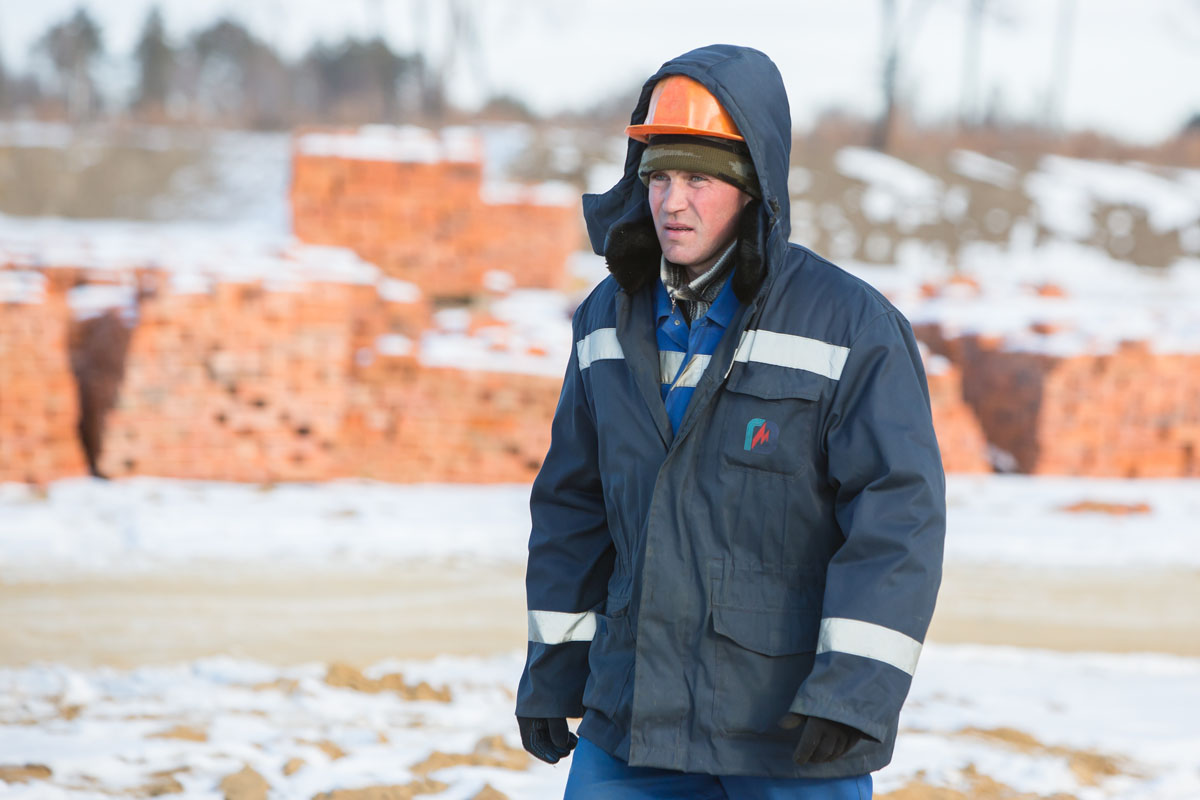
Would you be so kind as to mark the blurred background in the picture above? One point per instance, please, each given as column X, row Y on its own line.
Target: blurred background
column 285, row 298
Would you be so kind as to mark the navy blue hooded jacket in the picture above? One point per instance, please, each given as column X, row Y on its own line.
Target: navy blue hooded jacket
column 686, row 591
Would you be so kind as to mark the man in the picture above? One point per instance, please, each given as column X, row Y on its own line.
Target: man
column 737, row 531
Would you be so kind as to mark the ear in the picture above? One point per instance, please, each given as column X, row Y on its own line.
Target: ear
column 750, row 269
column 633, row 253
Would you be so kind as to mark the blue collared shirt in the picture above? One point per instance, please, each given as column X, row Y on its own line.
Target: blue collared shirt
column 684, row 351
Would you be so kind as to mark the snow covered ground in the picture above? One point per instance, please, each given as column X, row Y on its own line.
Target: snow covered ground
column 139, row 524
column 1086, row 726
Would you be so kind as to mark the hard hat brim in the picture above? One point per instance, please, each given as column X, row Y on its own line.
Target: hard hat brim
column 642, row 133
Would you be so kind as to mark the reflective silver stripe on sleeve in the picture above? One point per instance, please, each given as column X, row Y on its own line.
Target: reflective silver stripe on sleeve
column 693, row 371
column 669, row 363
column 558, row 627
column 866, row 639
column 598, row 345
column 797, row 352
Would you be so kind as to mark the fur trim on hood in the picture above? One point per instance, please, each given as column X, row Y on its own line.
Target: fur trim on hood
column 633, row 254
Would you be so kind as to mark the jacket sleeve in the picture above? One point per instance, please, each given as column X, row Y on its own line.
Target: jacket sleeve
column 881, row 583
column 570, row 558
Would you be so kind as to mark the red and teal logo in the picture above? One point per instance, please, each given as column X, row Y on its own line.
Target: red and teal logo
column 762, row 436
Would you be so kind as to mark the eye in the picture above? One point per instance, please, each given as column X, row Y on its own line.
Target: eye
column 659, row 176
column 697, row 178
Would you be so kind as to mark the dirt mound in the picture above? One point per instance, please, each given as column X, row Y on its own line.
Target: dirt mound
column 399, row 792
column 488, row 793
column 981, row 788
column 23, row 773
column 184, row 732
column 490, row 751
column 348, row 677
column 1089, row 767
column 245, row 785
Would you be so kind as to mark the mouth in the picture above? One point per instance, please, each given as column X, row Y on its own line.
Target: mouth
column 674, row 227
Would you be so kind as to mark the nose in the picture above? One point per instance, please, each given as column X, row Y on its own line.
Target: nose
column 675, row 196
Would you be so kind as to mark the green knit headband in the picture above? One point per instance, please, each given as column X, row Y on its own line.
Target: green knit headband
column 724, row 159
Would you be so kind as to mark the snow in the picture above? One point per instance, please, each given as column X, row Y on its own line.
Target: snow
column 548, row 193
column 896, row 190
column 22, row 286
column 404, row 143
column 397, row 291
column 87, row 525
column 1106, row 301
column 533, row 336
column 195, row 255
column 984, row 169
column 1168, row 205
column 261, row 715
column 1136, row 710
column 92, row 300
column 393, row 344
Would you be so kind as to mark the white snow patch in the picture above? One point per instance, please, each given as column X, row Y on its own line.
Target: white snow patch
column 22, row 286
column 404, row 143
column 1068, row 189
column 194, row 255
column 393, row 344
column 984, row 169
column 92, row 300
column 398, row 291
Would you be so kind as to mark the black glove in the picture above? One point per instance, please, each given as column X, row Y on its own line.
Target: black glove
column 546, row 739
column 821, row 740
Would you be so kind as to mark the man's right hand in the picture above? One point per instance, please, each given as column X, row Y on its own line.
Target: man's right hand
column 546, row 739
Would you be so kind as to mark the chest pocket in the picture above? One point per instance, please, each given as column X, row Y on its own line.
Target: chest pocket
column 770, row 418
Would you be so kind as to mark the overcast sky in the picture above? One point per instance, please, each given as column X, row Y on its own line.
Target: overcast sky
column 1132, row 68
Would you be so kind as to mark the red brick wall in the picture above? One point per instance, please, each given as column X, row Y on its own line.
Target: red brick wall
column 408, row 423
column 39, row 402
column 427, row 223
column 1132, row 413
column 960, row 436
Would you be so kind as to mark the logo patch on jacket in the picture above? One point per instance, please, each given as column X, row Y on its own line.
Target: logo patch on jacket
column 762, row 436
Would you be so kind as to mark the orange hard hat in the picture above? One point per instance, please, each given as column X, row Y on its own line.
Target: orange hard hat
column 679, row 104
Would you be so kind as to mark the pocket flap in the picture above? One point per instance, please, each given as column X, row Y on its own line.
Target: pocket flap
column 771, row 382
column 772, row 633
column 771, row 611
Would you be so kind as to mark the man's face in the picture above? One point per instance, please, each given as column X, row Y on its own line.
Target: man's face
column 695, row 216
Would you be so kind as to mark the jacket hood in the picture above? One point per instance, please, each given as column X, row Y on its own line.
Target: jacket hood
column 748, row 84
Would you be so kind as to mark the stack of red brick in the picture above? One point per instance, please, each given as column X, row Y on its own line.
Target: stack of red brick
column 39, row 403
column 960, row 436
column 414, row 206
column 1131, row 413
column 406, row 422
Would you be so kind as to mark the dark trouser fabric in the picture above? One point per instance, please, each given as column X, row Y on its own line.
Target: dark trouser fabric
column 596, row 774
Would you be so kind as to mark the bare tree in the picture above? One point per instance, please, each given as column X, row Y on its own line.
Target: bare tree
column 1056, row 93
column 73, row 46
column 156, row 61
column 896, row 37
column 968, row 103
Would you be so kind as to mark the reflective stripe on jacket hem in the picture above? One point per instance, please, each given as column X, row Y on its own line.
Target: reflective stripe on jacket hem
column 866, row 639
column 559, row 627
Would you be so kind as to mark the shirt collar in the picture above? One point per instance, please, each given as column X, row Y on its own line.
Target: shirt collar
column 726, row 305
column 674, row 277
column 721, row 311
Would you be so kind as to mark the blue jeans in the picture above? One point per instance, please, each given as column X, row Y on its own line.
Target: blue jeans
column 595, row 775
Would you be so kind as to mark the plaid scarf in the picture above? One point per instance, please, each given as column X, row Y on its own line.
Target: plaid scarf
column 695, row 297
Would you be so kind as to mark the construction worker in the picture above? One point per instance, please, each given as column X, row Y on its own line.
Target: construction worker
column 738, row 528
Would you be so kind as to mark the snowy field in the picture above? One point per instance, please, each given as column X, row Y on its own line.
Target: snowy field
column 139, row 524
column 982, row 722
column 978, row 720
